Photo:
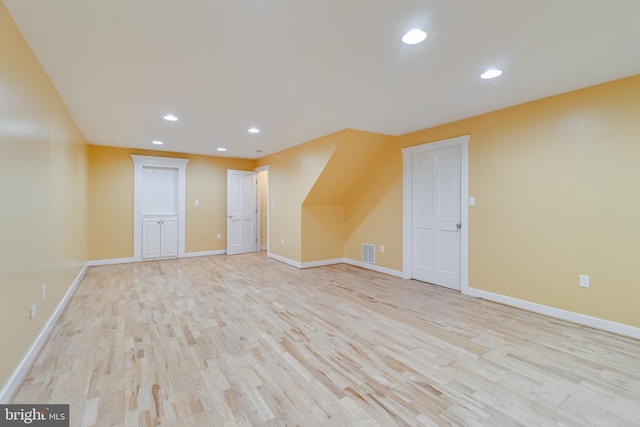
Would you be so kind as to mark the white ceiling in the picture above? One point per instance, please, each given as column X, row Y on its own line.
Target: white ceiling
column 300, row 69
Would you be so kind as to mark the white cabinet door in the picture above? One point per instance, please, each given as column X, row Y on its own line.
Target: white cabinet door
column 151, row 238
column 169, row 237
column 159, row 238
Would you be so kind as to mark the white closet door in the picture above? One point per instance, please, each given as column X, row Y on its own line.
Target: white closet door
column 436, row 218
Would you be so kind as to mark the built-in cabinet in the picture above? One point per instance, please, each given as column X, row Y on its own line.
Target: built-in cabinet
column 159, row 237
column 159, row 207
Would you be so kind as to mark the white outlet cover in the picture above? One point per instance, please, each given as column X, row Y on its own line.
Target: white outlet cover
column 584, row 281
column 32, row 311
column 472, row 201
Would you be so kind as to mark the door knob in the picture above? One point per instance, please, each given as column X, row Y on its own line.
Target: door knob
column 458, row 225
column 230, row 216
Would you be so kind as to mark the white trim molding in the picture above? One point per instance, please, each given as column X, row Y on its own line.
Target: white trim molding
column 321, row 263
column 140, row 162
column 581, row 319
column 112, row 261
column 407, row 153
column 284, row 260
column 373, row 267
column 324, row 262
column 204, row 253
column 17, row 377
column 265, row 168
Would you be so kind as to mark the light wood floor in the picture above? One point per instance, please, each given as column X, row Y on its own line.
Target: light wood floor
column 245, row 340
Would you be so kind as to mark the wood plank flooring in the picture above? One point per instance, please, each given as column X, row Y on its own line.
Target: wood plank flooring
column 248, row 341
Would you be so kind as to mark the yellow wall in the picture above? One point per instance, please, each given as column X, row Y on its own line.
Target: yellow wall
column 555, row 183
column 372, row 210
column 351, row 162
column 322, row 232
column 292, row 174
column 323, row 220
column 111, row 200
column 43, row 197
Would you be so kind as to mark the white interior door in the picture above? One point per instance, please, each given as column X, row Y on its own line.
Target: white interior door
column 435, row 216
column 241, row 212
column 435, row 190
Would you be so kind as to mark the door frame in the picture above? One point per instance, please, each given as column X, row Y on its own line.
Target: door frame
column 407, row 251
column 139, row 163
column 259, row 195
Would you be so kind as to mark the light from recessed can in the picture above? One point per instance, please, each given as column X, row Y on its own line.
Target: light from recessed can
column 414, row 37
column 490, row 74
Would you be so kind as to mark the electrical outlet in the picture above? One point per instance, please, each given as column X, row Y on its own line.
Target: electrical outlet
column 282, row 241
column 32, row 311
column 219, row 236
column 44, row 291
column 584, row 281
column 381, row 248
column 197, row 202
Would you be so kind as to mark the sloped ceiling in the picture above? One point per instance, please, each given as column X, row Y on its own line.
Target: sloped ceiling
column 356, row 154
column 302, row 69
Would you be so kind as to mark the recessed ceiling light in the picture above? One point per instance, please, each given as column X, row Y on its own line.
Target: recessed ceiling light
column 170, row 117
column 414, row 37
column 254, row 130
column 222, row 149
column 157, row 142
column 490, row 74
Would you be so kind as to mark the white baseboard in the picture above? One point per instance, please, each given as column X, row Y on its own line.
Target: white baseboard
column 98, row 262
column 581, row 319
column 321, row 263
column 204, row 253
column 129, row 260
column 14, row 382
column 373, row 267
column 285, row 260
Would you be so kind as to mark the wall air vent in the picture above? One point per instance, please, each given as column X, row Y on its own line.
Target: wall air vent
column 368, row 253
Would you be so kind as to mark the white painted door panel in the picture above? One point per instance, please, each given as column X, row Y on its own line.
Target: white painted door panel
column 160, row 195
column 150, row 238
column 169, row 237
column 159, row 238
column 241, row 212
column 435, row 216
